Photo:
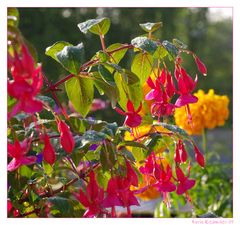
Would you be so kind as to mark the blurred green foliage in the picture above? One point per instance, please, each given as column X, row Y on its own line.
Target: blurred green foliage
column 210, row 40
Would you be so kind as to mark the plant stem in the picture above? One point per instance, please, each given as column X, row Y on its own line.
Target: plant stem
column 102, row 42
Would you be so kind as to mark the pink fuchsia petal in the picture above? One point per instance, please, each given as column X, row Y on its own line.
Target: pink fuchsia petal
column 120, row 111
column 83, row 199
column 112, row 200
column 139, row 108
column 180, row 175
column 185, row 186
column 11, row 150
column 130, row 106
column 9, row 206
column 30, row 105
column 150, row 83
column 27, row 61
column 92, row 188
column 201, row 67
column 14, row 164
column 163, row 77
column 153, row 94
column 28, row 160
column 131, row 175
column 166, row 187
column 19, row 88
column 185, row 100
column 133, row 120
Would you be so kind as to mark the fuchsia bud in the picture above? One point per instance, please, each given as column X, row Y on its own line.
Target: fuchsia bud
column 66, row 137
column 131, row 175
column 201, row 67
column 199, row 157
column 49, row 154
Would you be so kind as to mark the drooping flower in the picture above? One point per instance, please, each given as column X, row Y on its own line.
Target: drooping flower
column 210, row 111
column 199, row 156
column 133, row 119
column 180, row 155
column 119, row 194
column 184, row 183
column 201, row 67
column 49, row 154
column 18, row 152
column 93, row 197
column 21, row 66
column 66, row 137
column 25, row 93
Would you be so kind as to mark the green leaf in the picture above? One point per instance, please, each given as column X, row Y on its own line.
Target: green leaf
column 47, row 168
column 80, row 92
column 145, row 44
column 25, row 171
column 174, row 129
column 71, row 58
column 103, row 56
column 133, row 144
column 95, row 26
column 152, row 142
column 179, row 44
column 47, row 100
column 118, row 55
column 151, row 27
column 56, row 48
column 142, row 66
column 128, row 91
column 106, row 75
column 160, row 53
column 65, row 207
column 104, row 88
column 139, row 153
column 12, row 17
column 171, row 48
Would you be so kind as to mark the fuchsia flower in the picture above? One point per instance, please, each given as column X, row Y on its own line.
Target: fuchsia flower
column 92, row 198
column 185, row 85
column 27, row 83
column 21, row 67
column 66, row 137
column 184, row 183
column 180, row 155
column 118, row 190
column 201, row 67
column 49, row 154
column 133, row 119
column 199, row 156
column 18, row 152
column 162, row 91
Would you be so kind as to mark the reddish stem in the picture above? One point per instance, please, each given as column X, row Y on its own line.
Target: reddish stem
column 102, row 42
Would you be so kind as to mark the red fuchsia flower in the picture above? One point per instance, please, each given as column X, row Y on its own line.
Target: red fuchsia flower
column 201, row 67
column 133, row 119
column 162, row 91
column 119, row 194
column 18, row 152
column 199, row 156
column 149, row 165
column 184, row 183
column 180, row 155
column 49, row 154
column 66, row 137
column 164, row 183
column 22, row 66
column 185, row 86
column 92, row 198
column 25, row 93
